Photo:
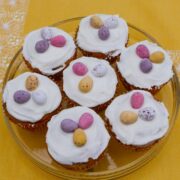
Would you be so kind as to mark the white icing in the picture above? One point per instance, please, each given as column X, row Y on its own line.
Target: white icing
column 30, row 111
column 61, row 146
column 129, row 67
column 87, row 37
column 103, row 87
column 53, row 57
column 141, row 132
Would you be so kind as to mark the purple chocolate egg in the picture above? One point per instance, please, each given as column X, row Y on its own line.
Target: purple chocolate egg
column 103, row 33
column 68, row 125
column 42, row 46
column 146, row 65
column 21, row 96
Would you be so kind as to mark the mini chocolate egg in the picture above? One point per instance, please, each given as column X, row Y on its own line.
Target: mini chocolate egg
column 79, row 137
column 39, row 97
column 58, row 41
column 41, row 46
column 146, row 65
column 103, row 33
column 147, row 113
column 111, row 22
column 96, row 22
column 79, row 68
column 68, row 125
column 32, row 82
column 128, row 117
column 86, row 84
column 157, row 57
column 99, row 70
column 85, row 120
column 46, row 33
column 21, row 96
column 137, row 100
column 142, row 51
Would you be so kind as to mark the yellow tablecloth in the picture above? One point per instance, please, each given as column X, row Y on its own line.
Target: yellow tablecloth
column 160, row 18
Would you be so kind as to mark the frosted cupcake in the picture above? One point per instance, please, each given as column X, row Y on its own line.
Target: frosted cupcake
column 136, row 119
column 89, row 82
column 48, row 50
column 77, row 138
column 146, row 66
column 102, row 36
column 31, row 99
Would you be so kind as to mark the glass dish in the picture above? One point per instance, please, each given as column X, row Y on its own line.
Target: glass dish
column 118, row 160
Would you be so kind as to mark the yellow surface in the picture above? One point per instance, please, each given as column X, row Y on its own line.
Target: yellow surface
column 159, row 18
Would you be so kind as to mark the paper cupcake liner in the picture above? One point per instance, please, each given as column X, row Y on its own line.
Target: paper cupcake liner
column 84, row 166
column 129, row 87
column 32, row 126
column 109, row 57
column 55, row 76
column 132, row 147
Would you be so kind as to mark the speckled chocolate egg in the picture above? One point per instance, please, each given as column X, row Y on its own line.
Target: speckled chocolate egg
column 111, row 22
column 39, row 97
column 99, row 70
column 147, row 113
column 46, row 33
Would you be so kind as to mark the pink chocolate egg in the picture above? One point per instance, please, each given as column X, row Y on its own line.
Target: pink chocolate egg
column 58, row 41
column 137, row 100
column 142, row 51
column 79, row 69
column 85, row 121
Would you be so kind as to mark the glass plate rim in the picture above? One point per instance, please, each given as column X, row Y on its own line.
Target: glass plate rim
column 115, row 172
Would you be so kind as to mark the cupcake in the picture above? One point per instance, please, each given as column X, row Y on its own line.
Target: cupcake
column 77, row 138
column 136, row 119
column 102, row 36
column 89, row 82
column 31, row 99
column 145, row 65
column 48, row 50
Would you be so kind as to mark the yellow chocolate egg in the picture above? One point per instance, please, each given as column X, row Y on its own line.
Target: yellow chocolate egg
column 96, row 22
column 79, row 137
column 128, row 117
column 32, row 82
column 86, row 84
column 157, row 57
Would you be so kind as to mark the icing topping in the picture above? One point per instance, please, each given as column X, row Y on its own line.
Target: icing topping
column 142, row 131
column 61, row 146
column 32, row 111
column 88, row 39
column 130, row 70
column 54, row 58
column 99, row 91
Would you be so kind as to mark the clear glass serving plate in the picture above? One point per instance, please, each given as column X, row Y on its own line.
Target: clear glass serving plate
column 118, row 160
